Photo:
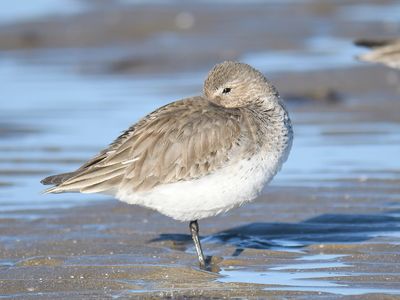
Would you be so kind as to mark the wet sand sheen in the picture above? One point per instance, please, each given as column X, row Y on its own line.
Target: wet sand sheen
column 113, row 249
column 108, row 249
column 327, row 227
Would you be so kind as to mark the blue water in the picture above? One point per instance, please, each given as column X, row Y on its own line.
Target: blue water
column 72, row 117
column 58, row 118
column 52, row 119
column 320, row 52
column 315, row 274
column 211, row 2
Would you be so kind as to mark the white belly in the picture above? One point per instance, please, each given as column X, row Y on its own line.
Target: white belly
column 208, row 196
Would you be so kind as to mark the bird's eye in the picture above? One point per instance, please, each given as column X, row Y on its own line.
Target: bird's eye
column 226, row 90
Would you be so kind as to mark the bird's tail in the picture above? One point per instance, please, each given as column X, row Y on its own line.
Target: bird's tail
column 56, row 180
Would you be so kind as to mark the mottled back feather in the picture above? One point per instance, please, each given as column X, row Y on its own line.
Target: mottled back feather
column 183, row 140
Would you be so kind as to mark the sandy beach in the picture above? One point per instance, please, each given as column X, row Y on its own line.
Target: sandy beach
column 326, row 228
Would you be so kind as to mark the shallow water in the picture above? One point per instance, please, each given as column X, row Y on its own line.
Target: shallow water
column 325, row 273
column 329, row 223
column 315, row 276
column 320, row 53
column 46, row 131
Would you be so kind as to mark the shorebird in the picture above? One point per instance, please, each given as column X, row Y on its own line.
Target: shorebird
column 196, row 157
column 386, row 52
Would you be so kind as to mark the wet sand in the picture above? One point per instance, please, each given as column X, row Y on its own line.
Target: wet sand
column 327, row 227
column 291, row 242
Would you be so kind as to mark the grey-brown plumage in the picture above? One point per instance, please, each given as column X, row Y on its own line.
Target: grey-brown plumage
column 196, row 157
column 183, row 140
column 386, row 52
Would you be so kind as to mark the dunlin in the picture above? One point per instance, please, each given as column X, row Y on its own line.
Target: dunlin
column 386, row 52
column 196, row 157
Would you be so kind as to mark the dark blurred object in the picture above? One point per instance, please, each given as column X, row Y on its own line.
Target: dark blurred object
column 386, row 52
column 373, row 43
column 322, row 95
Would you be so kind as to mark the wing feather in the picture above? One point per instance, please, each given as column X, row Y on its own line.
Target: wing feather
column 184, row 140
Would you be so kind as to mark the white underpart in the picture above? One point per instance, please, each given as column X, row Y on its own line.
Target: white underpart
column 219, row 192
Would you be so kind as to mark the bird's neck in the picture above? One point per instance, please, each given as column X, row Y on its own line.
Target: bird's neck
column 270, row 108
column 272, row 119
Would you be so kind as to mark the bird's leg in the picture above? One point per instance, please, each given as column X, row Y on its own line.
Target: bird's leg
column 194, row 230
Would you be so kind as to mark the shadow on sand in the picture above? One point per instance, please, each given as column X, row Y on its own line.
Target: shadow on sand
column 327, row 228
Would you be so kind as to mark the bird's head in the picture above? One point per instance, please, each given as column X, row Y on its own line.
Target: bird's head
column 233, row 84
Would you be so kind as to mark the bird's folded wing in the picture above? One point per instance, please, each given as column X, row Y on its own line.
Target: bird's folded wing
column 184, row 140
